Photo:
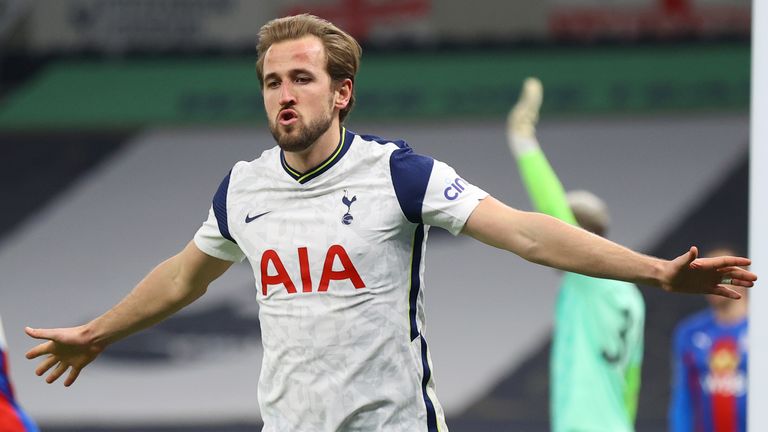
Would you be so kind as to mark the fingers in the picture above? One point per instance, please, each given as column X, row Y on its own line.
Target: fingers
column 738, row 276
column 45, row 365
column 721, row 261
column 73, row 374
column 745, row 275
column 742, row 283
column 64, row 351
column 693, row 253
column 724, row 291
column 691, row 256
column 733, row 261
column 57, row 372
column 43, row 348
column 40, row 333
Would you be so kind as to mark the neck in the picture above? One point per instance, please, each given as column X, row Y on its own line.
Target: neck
column 316, row 153
column 731, row 312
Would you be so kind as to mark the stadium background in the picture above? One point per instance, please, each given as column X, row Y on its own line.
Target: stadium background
column 118, row 118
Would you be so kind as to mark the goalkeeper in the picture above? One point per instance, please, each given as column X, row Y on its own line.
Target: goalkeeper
column 597, row 346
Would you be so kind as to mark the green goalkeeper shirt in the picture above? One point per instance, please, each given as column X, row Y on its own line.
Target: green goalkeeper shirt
column 597, row 347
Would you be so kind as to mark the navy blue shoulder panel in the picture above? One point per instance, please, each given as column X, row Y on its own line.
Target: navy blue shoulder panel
column 400, row 143
column 410, row 177
column 220, row 208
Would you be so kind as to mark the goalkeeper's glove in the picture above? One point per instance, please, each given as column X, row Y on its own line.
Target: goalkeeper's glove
column 522, row 118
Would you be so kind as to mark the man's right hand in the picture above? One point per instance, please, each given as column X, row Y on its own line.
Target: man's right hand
column 66, row 349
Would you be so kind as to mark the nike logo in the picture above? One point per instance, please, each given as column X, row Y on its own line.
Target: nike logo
column 249, row 219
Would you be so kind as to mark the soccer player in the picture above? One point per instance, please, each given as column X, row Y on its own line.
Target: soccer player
column 597, row 348
column 709, row 385
column 334, row 225
column 12, row 417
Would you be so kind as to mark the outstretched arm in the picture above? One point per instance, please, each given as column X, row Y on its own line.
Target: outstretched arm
column 169, row 287
column 542, row 239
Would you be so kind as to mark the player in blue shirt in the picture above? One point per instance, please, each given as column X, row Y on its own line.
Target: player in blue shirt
column 709, row 387
column 334, row 225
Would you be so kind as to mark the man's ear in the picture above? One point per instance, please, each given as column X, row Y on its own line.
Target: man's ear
column 343, row 94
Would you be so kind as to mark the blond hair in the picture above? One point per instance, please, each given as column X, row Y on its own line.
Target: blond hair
column 342, row 52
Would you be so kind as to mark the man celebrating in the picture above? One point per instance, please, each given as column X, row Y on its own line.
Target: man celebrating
column 334, row 225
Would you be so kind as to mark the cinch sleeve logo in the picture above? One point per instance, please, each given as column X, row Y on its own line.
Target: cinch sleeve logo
column 455, row 188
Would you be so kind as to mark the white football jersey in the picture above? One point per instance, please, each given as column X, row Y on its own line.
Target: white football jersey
column 338, row 257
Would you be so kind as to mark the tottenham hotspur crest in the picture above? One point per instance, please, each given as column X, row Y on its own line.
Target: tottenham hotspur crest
column 347, row 218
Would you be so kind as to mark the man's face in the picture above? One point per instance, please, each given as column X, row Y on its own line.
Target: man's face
column 297, row 89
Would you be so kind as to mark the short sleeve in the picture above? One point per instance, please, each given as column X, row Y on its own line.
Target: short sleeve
column 214, row 237
column 431, row 192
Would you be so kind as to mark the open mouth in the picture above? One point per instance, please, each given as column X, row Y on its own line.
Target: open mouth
column 287, row 116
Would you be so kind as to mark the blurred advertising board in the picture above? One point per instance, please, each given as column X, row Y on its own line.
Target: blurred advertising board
column 648, row 19
column 160, row 25
column 600, row 80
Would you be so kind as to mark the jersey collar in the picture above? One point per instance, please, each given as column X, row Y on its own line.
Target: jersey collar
column 338, row 153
